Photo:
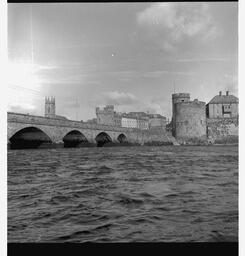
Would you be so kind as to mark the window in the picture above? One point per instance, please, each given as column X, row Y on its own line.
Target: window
column 226, row 109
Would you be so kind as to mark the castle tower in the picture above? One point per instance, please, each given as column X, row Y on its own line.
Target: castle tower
column 176, row 98
column 105, row 115
column 50, row 107
column 189, row 118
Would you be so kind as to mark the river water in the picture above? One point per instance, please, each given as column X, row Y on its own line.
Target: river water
column 123, row 194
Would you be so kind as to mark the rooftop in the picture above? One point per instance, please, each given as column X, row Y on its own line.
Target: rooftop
column 156, row 116
column 223, row 99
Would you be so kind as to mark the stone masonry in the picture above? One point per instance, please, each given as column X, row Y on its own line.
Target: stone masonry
column 57, row 129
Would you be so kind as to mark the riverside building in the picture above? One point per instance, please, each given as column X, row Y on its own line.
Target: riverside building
column 137, row 120
column 222, row 106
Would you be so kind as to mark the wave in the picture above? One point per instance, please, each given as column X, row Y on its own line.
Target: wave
column 217, row 236
column 147, row 195
column 127, row 200
column 123, row 195
column 173, row 195
column 133, row 178
column 73, row 235
column 85, row 232
column 190, row 211
column 101, row 170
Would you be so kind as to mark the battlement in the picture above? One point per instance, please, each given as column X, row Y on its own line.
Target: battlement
column 193, row 103
column 180, row 95
column 50, row 100
column 108, row 109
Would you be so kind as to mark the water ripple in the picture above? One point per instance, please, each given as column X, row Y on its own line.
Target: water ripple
column 134, row 194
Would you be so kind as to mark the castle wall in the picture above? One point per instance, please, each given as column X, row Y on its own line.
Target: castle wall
column 157, row 122
column 106, row 115
column 117, row 120
column 222, row 130
column 105, row 118
column 152, row 137
column 190, row 121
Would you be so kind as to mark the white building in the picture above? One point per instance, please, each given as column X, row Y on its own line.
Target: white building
column 143, row 123
column 129, row 122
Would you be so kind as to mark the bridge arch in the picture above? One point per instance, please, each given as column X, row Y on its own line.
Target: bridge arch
column 122, row 138
column 102, row 138
column 29, row 137
column 74, row 138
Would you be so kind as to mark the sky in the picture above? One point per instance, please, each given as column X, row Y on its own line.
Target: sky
column 131, row 55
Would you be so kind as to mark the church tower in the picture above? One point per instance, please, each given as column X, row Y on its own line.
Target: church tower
column 50, row 107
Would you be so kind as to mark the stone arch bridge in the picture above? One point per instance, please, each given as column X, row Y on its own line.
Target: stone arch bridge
column 29, row 128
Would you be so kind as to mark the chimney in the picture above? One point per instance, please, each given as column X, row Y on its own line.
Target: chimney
column 227, row 93
column 220, row 93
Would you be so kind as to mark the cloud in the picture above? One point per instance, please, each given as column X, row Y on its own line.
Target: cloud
column 119, row 98
column 23, row 108
column 152, row 107
column 128, row 102
column 172, row 23
column 24, row 100
column 135, row 74
column 71, row 104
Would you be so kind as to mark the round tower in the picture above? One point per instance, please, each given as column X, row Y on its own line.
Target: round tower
column 190, row 120
column 176, row 98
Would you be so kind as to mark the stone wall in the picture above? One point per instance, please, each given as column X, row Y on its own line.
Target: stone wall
column 157, row 122
column 157, row 137
column 222, row 130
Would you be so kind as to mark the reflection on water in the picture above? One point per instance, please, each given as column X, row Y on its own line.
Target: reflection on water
column 127, row 194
